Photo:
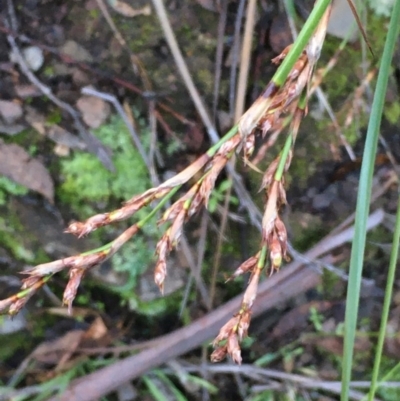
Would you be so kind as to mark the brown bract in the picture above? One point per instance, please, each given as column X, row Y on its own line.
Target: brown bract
column 245, row 267
column 219, row 354
column 162, row 251
column 75, row 277
column 232, row 333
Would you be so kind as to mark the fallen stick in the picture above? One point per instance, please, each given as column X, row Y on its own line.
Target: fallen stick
column 293, row 280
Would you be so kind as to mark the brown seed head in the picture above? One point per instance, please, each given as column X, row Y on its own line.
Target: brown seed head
column 160, row 272
column 251, row 291
column 219, row 354
column 252, row 117
column 233, row 348
column 50, row 267
column 275, row 252
column 18, row 305
column 90, row 260
column 244, row 324
column 278, row 59
column 195, row 205
column 229, row 146
column 162, row 250
column 175, row 231
column 219, row 162
column 30, row 281
column 298, row 67
column 172, row 211
column 271, row 211
column 245, row 267
column 282, row 193
column 268, row 177
column 226, row 330
column 163, row 246
column 79, row 229
column 282, row 235
column 75, row 277
column 6, row 303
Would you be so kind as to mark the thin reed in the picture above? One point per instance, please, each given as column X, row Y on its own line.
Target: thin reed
column 362, row 210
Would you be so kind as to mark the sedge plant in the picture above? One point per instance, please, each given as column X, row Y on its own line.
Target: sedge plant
column 283, row 103
column 286, row 95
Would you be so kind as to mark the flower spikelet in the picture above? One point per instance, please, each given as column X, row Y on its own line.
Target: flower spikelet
column 18, row 305
column 219, row 354
column 226, row 330
column 247, row 266
column 251, row 290
column 75, row 276
column 219, row 162
column 233, row 348
column 162, row 251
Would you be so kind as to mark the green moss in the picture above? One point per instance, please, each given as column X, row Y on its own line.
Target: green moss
column 158, row 306
column 144, row 33
column 48, row 71
column 13, row 343
column 54, row 117
column 346, row 75
column 9, row 187
column 94, row 13
column 381, row 8
column 392, row 112
column 86, row 180
column 300, row 171
column 205, row 79
column 13, row 235
column 328, row 287
column 12, row 238
column 343, row 78
column 25, row 138
column 134, row 259
column 376, row 25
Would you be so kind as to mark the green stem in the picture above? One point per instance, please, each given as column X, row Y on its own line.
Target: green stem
column 160, row 204
column 363, row 201
column 230, row 134
column 386, row 305
column 392, row 372
column 262, row 257
column 283, row 158
column 301, row 42
column 290, row 139
column 28, row 290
